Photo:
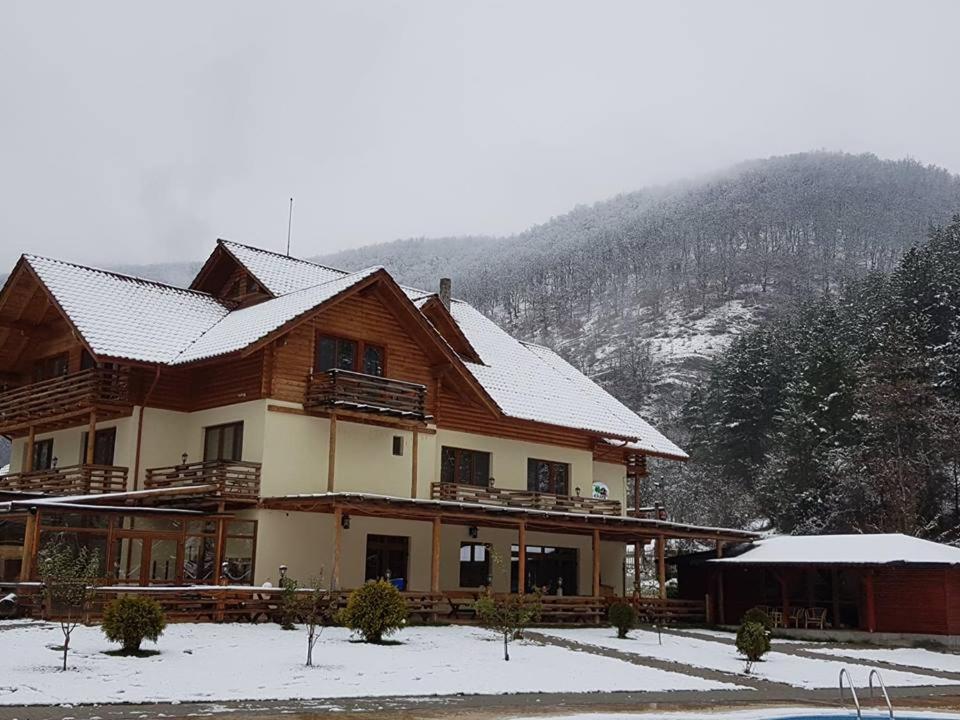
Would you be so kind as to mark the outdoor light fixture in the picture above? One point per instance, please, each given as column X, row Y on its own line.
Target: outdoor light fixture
column 578, row 491
column 345, row 522
column 183, row 459
column 53, row 463
column 473, row 531
column 283, row 572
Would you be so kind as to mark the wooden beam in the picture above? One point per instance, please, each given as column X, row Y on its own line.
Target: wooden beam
column 219, row 551
column 415, row 454
column 721, row 611
column 870, row 602
column 662, row 566
column 435, row 558
column 358, row 417
column 31, row 440
column 522, row 557
column 91, row 438
column 637, row 549
column 29, row 548
column 596, row 563
column 332, row 456
column 835, row 596
column 337, row 547
column 784, row 599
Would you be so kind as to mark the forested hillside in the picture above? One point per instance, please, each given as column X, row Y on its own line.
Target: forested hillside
column 844, row 415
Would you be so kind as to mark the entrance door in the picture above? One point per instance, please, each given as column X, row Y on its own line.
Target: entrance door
column 388, row 557
column 104, row 444
column 551, row 568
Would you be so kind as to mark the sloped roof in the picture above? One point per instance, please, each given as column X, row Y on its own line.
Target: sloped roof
column 126, row 317
column 278, row 273
column 879, row 549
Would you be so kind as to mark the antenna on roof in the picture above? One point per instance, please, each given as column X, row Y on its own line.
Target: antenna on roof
column 289, row 225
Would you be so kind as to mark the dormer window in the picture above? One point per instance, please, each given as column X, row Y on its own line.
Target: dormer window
column 343, row 354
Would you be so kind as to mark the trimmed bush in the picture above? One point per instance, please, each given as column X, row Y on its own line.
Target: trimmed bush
column 375, row 611
column 758, row 615
column 753, row 642
column 623, row 617
column 130, row 619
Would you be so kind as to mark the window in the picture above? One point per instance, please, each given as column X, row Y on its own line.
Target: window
column 548, row 477
column 465, row 467
column 104, row 443
column 51, row 367
column 342, row 354
column 223, row 442
column 474, row 564
column 43, row 454
column 398, row 445
column 387, row 557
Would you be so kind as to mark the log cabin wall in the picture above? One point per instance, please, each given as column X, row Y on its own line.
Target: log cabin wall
column 901, row 592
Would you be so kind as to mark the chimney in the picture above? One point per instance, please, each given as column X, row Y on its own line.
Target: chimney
column 445, row 286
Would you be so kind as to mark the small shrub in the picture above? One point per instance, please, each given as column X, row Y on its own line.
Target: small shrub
column 757, row 615
column 375, row 611
column 289, row 603
column 753, row 641
column 509, row 615
column 130, row 619
column 623, row 617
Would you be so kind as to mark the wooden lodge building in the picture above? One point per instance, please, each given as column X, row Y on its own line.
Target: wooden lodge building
column 283, row 413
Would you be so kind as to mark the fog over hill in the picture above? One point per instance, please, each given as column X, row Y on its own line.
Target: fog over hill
column 642, row 289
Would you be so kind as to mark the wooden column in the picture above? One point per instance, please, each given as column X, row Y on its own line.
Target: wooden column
column 29, row 547
column 835, row 596
column 435, row 558
column 522, row 558
column 662, row 566
column 337, row 547
column 332, row 457
column 596, row 563
column 721, row 611
column 217, row 553
column 784, row 599
column 31, row 440
column 415, row 453
column 91, row 438
column 870, row 602
column 637, row 549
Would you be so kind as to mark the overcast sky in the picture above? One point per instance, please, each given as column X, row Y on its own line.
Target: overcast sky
column 131, row 133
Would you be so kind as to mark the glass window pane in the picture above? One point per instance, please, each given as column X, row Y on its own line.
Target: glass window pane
column 561, row 472
column 326, row 356
column 448, row 461
column 481, row 469
column 198, row 559
column 346, row 354
column 163, row 561
column 373, row 360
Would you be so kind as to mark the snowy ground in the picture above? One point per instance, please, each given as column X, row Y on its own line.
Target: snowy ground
column 776, row 666
column 759, row 714
column 257, row 662
column 912, row 657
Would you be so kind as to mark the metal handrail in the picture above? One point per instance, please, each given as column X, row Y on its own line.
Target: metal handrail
column 853, row 691
column 883, row 688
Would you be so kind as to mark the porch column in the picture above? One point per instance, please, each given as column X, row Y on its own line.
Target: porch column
column 332, row 456
column 835, row 595
column 435, row 558
column 522, row 557
column 784, row 598
column 31, row 440
column 721, row 613
column 414, row 452
column 661, row 566
column 218, row 552
column 596, row 562
column 91, row 438
column 337, row 547
column 637, row 549
column 871, row 603
column 29, row 547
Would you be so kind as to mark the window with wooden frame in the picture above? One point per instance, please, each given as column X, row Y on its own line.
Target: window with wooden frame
column 464, row 467
column 43, row 454
column 51, row 367
column 546, row 476
column 344, row 354
column 223, row 442
column 474, row 564
column 104, row 444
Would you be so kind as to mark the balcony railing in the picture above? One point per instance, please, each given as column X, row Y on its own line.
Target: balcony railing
column 233, row 479
column 505, row 497
column 60, row 396
column 650, row 512
column 68, row 480
column 349, row 390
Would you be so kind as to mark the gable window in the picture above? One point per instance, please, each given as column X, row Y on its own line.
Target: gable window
column 545, row 476
column 43, row 454
column 51, row 367
column 464, row 467
column 474, row 564
column 343, row 354
column 223, row 442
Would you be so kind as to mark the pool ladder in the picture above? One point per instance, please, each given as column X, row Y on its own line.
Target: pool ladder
column 853, row 691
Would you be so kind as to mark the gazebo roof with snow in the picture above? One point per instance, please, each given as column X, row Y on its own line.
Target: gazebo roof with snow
column 878, row 549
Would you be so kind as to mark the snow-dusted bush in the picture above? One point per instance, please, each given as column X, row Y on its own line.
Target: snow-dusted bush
column 753, row 642
column 131, row 619
column 374, row 611
column 623, row 617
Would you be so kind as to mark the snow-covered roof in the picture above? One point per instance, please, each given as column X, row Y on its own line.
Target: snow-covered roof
column 879, row 549
column 5, row 470
column 278, row 273
column 126, row 317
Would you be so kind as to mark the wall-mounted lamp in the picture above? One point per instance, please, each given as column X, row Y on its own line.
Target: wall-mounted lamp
column 283, row 573
column 183, row 459
column 345, row 522
column 473, row 531
column 578, row 491
column 53, row 463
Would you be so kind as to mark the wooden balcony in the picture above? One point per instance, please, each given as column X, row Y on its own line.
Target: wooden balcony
column 50, row 403
column 344, row 389
column 651, row 512
column 69, row 480
column 504, row 497
column 232, row 479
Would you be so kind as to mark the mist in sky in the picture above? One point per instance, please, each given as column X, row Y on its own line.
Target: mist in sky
column 134, row 133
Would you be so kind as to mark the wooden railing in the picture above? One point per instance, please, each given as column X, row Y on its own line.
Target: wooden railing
column 505, row 497
column 234, row 479
column 333, row 389
column 69, row 480
column 651, row 512
column 47, row 399
column 665, row 610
